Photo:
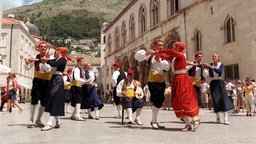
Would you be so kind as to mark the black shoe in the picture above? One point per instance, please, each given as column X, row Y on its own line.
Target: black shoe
column 131, row 123
column 90, row 117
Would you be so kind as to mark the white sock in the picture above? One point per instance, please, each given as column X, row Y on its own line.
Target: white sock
column 96, row 109
column 195, row 118
column 67, row 107
column 32, row 112
column 73, row 113
column 225, row 114
column 129, row 111
column 138, row 112
column 118, row 108
column 40, row 112
column 78, row 110
column 186, row 119
column 155, row 111
column 218, row 115
column 89, row 111
column 50, row 121
column 57, row 119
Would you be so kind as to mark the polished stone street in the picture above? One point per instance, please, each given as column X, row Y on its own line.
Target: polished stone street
column 108, row 130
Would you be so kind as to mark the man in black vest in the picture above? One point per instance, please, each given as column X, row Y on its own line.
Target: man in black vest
column 196, row 74
column 117, row 76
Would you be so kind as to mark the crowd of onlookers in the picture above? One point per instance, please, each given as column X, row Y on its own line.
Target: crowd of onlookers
column 244, row 99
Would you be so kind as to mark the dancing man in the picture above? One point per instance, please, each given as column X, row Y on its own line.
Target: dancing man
column 40, row 82
column 156, row 78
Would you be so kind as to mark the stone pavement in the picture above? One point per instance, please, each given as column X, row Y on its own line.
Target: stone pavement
column 109, row 130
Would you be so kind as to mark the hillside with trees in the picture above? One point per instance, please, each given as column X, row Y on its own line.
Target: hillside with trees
column 61, row 19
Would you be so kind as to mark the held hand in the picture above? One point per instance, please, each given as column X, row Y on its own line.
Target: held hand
column 206, row 65
column 150, row 52
column 123, row 93
column 203, row 66
column 47, row 55
column 88, row 81
column 93, row 84
column 30, row 60
column 157, row 58
column 44, row 59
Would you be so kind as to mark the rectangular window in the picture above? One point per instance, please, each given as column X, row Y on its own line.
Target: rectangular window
column 232, row 71
column 2, row 41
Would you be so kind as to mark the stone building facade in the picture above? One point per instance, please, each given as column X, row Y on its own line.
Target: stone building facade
column 210, row 26
column 17, row 44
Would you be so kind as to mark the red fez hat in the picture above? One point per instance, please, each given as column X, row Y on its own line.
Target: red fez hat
column 130, row 71
column 69, row 70
column 197, row 53
column 116, row 64
column 79, row 59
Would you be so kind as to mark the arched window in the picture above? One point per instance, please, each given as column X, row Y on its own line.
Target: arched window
column 173, row 7
column 117, row 38
column 123, row 34
column 109, row 45
column 198, row 41
column 132, row 27
column 155, row 6
column 142, row 19
column 229, row 30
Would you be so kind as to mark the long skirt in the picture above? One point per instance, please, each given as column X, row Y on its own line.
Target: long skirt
column 90, row 98
column 184, row 99
column 221, row 100
column 55, row 100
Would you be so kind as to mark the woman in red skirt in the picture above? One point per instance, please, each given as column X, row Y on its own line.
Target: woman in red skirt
column 184, row 99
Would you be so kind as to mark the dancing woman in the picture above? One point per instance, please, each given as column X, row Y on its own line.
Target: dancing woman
column 222, row 102
column 184, row 98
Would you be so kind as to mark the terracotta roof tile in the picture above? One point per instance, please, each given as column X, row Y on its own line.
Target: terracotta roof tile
column 10, row 21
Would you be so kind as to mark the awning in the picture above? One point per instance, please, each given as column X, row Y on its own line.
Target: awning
column 25, row 86
column 4, row 69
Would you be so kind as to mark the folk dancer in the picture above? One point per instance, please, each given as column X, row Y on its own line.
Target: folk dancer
column 156, row 78
column 67, row 85
column 130, row 100
column 55, row 100
column 91, row 100
column 221, row 101
column 117, row 76
column 196, row 74
column 79, row 80
column 184, row 98
column 42, row 75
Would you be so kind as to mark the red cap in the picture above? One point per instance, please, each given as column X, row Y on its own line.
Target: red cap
column 130, row 71
column 116, row 64
column 79, row 59
column 69, row 70
column 197, row 53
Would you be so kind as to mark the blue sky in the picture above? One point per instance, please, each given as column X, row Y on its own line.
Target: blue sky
column 8, row 4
